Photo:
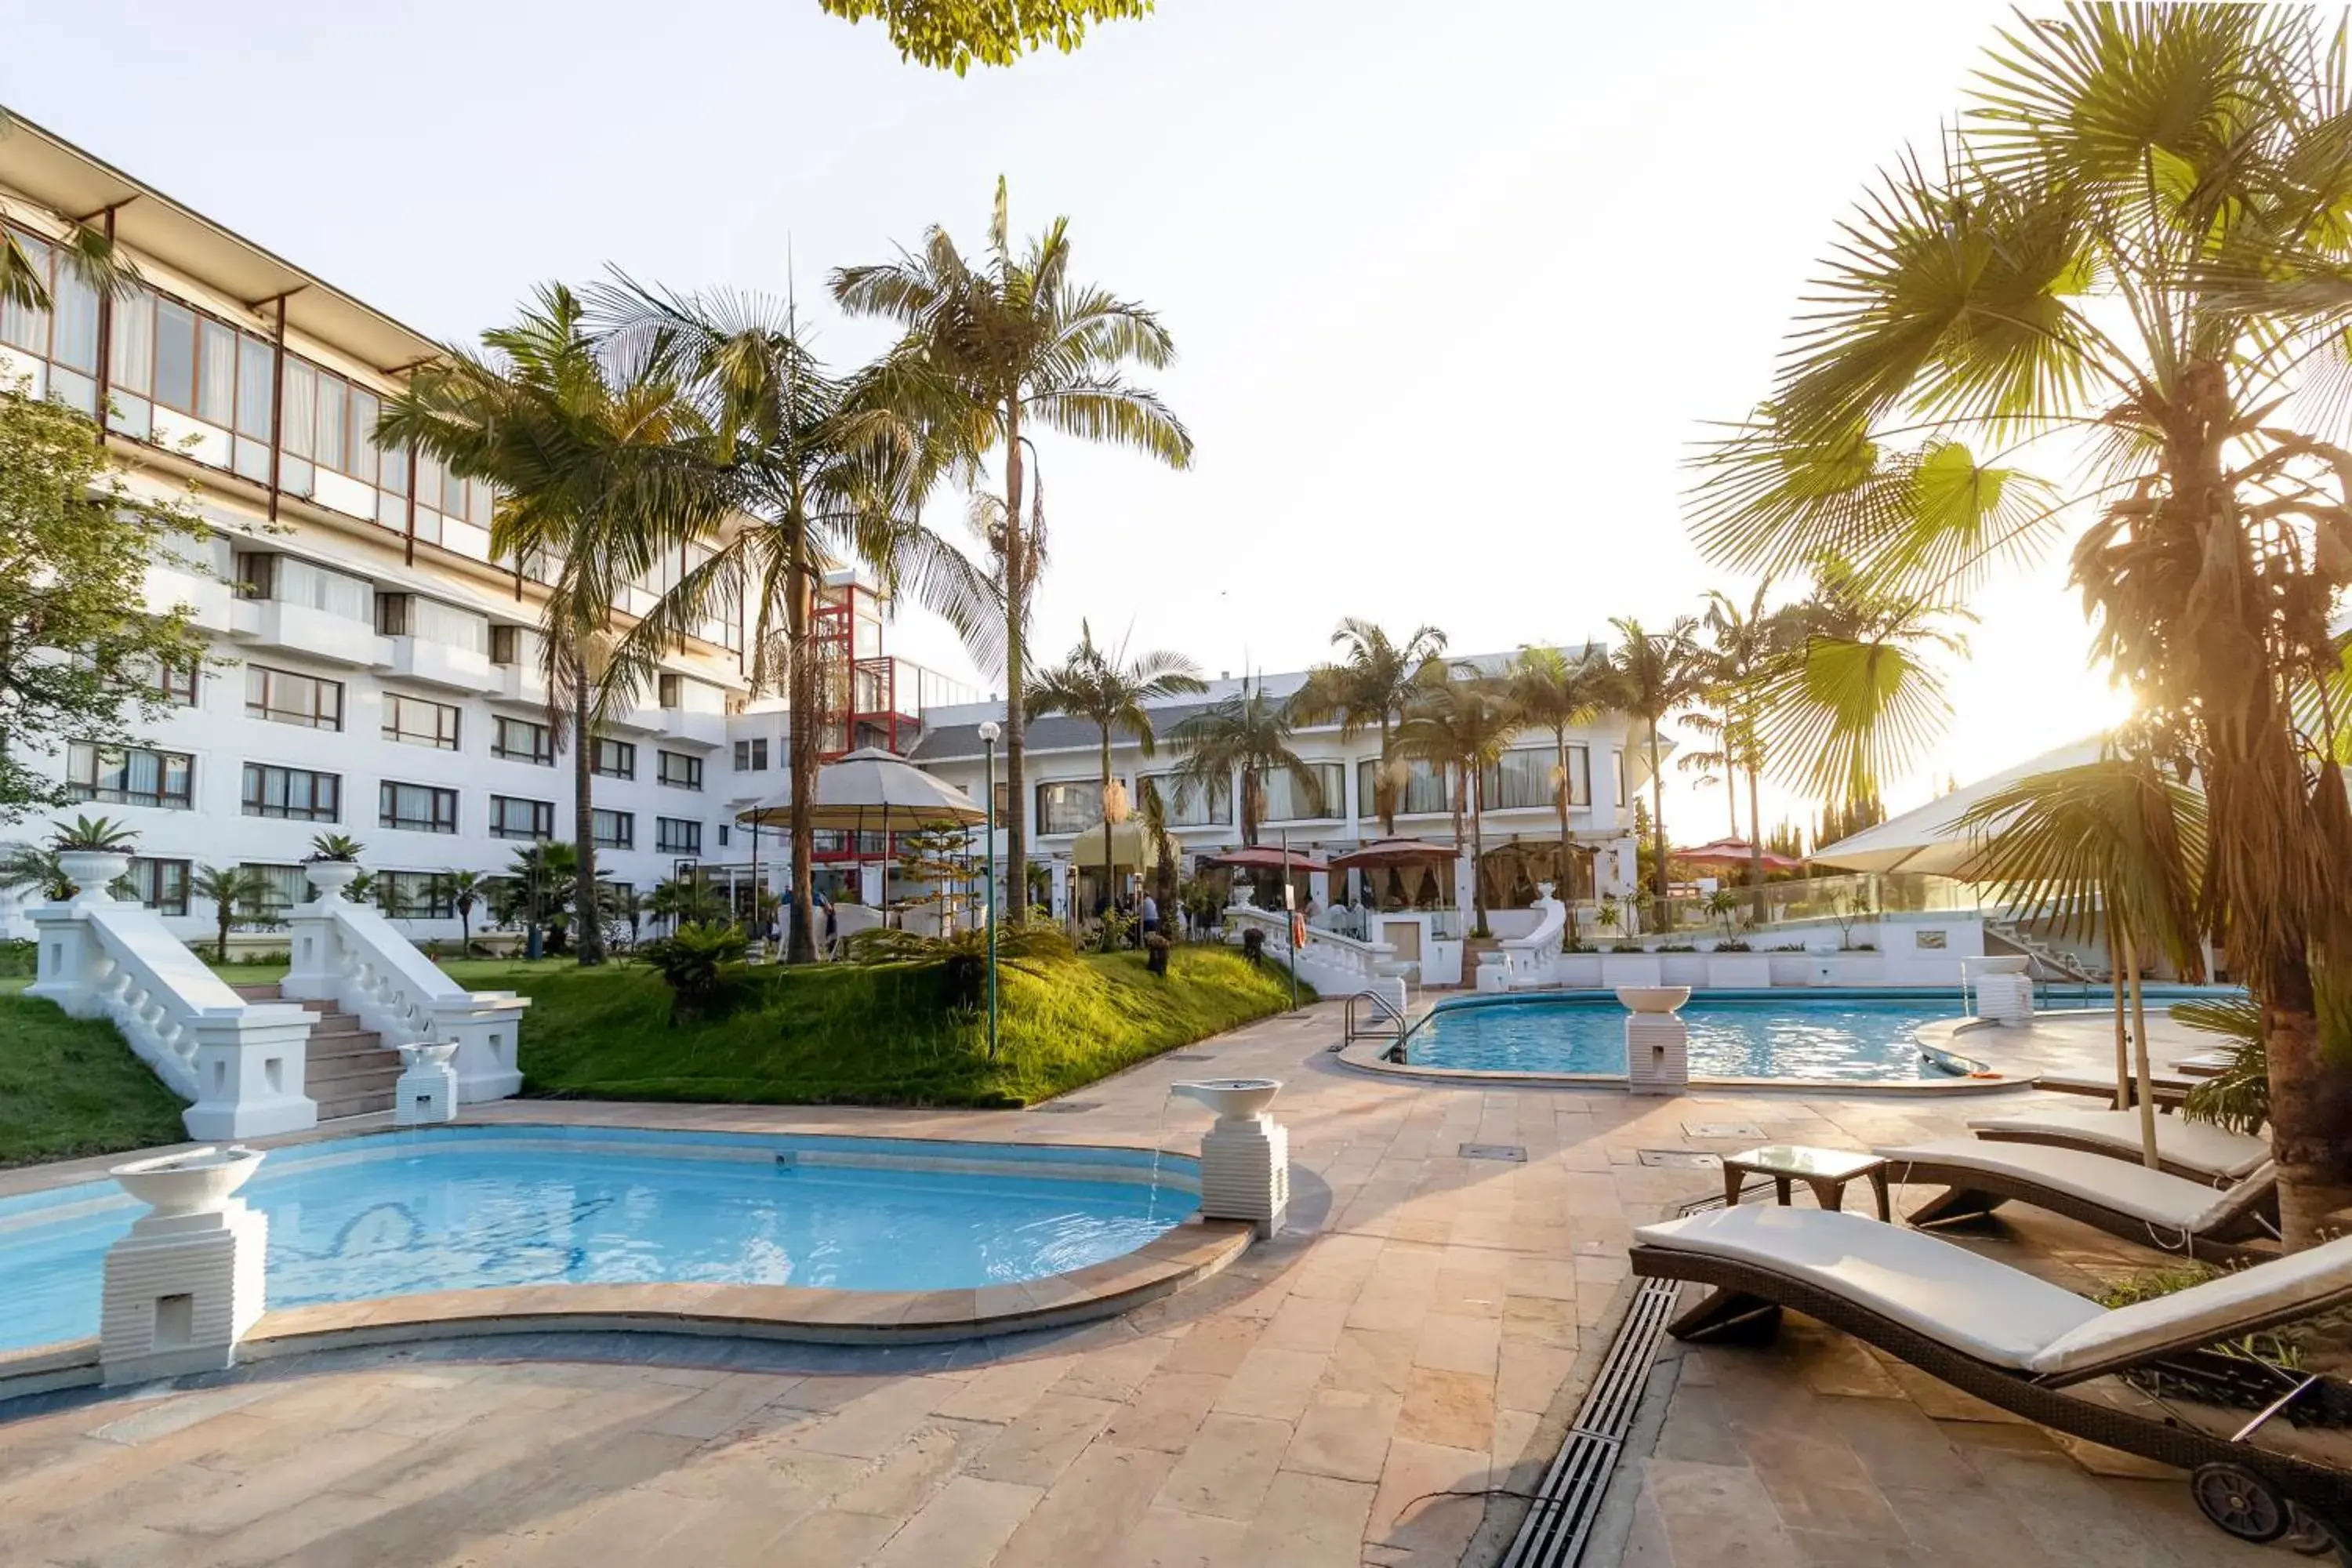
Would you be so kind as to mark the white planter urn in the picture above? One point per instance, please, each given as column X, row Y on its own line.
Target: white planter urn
column 1654, row 998
column 331, row 877
column 1246, row 1157
column 183, row 1286
column 1543, row 891
column 92, row 872
column 197, row 1182
column 1240, row 1099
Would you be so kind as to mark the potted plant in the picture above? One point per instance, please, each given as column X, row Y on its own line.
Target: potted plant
column 333, row 865
column 93, row 854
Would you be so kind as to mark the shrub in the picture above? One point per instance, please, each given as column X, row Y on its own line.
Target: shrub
column 963, row 959
column 337, row 848
column 19, row 957
column 695, row 962
column 1253, row 944
column 95, row 834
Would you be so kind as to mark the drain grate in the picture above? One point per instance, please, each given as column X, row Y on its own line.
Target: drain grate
column 1511, row 1151
column 1065, row 1107
column 1722, row 1130
column 1680, row 1159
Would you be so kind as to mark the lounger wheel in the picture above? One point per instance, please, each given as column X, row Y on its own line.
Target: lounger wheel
column 2240, row 1502
column 2315, row 1536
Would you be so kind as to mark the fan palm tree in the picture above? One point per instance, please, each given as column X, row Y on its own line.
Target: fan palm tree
column 1657, row 673
column 1745, row 648
column 585, row 463
column 1368, row 688
column 2134, row 244
column 1463, row 724
column 1110, row 690
column 232, row 890
column 35, row 866
column 1012, row 343
column 1553, row 689
column 818, row 468
column 2113, row 844
column 466, row 891
column 1248, row 735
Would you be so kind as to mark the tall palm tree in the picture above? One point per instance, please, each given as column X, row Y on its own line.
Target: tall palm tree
column 1657, row 673
column 1111, row 691
column 812, row 468
column 2133, row 243
column 1011, row 343
column 583, row 461
column 231, row 889
column 1744, row 649
column 1246, row 735
column 1553, row 689
column 1463, row 724
column 466, row 892
column 1368, row 688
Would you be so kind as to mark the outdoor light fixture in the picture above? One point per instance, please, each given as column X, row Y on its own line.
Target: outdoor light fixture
column 990, row 731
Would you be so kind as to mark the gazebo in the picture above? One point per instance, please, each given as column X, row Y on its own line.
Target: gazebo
column 870, row 789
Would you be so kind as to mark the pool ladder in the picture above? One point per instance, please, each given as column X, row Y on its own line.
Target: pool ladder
column 1385, row 1022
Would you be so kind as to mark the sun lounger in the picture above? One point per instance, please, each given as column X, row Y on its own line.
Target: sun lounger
column 2014, row 1340
column 2139, row 1205
column 2167, row 1088
column 2195, row 1151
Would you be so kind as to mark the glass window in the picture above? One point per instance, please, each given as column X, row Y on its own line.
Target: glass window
column 160, row 885
column 22, row 326
column 315, row 587
column 1072, row 805
column 283, row 697
column 415, row 896
column 418, row 808
column 282, row 888
column 1288, row 797
column 417, row 721
column 328, row 451
column 1523, row 777
column 613, row 829
column 520, row 741
column 751, row 756
column 453, row 495
column 428, row 480
column 301, row 407
column 679, row 770
column 131, row 349
column 178, row 685
column 514, row 817
column 363, row 436
column 216, row 373
column 395, row 477
column 1617, row 759
column 615, row 759
column 1202, row 808
column 175, row 355
column 673, row 836
column 505, row 645
column 255, row 380
column 296, row 794
column 448, row 625
column 1425, row 789
column 74, row 332
column 129, row 776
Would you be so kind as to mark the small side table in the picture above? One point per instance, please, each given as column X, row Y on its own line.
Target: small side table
column 1826, row 1171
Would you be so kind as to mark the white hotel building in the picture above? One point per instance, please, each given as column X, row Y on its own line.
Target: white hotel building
column 384, row 681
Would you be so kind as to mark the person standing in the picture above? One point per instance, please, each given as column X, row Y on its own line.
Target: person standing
column 1150, row 915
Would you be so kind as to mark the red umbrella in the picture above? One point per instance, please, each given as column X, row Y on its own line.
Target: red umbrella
column 1732, row 852
column 1267, row 858
column 1395, row 852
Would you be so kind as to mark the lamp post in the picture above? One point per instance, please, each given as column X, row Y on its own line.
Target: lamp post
column 989, row 732
column 1289, row 904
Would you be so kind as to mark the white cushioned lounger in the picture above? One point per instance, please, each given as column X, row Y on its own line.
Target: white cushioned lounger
column 2171, row 1203
column 1996, row 1314
column 2188, row 1146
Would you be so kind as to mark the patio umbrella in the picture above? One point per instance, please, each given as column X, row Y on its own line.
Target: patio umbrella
column 872, row 788
column 1267, row 857
column 1733, row 853
column 1393, row 853
column 1928, row 838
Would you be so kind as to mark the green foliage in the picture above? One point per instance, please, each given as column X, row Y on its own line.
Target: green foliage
column 1031, row 946
column 336, row 848
column 2239, row 1097
column 1247, row 734
column 19, row 957
column 35, row 866
column 695, row 962
column 69, row 1088
column 956, row 35
column 1368, row 688
column 102, row 834
column 75, row 546
column 234, row 892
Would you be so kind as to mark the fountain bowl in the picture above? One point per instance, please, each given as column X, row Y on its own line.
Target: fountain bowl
column 195, row 1182
column 429, row 1054
column 1233, row 1099
column 1654, row 998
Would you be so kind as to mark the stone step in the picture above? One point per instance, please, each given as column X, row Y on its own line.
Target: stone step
column 338, row 1052
column 258, row 992
column 329, row 1085
column 366, row 1104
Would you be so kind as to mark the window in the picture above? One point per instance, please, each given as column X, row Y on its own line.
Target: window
column 418, row 721
column 613, row 829
column 520, row 741
column 674, row 837
column 160, row 885
column 296, row 794
column 415, row 896
column 430, row 620
column 1201, row 809
column 282, row 888
column 679, row 770
column 175, row 355
column 722, row 835
column 505, row 645
column 419, row 808
column 316, row 588
column 1288, row 798
column 751, row 756
column 1524, row 777
column 178, row 686
column 514, row 817
column 1617, row 760
column 283, row 697
column 1071, row 807
column 670, row 689
column 615, row 759
column 129, row 776
column 1424, row 792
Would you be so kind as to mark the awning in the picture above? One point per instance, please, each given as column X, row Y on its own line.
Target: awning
column 872, row 789
column 1131, row 849
column 1395, row 852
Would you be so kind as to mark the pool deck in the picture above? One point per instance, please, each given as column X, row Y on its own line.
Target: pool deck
column 1424, row 1327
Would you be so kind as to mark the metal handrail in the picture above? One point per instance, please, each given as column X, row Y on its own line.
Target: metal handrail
column 1386, row 1014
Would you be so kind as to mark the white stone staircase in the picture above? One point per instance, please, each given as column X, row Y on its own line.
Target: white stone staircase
column 348, row 1068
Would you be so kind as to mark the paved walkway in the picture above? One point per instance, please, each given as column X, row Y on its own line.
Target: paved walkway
column 1420, row 1332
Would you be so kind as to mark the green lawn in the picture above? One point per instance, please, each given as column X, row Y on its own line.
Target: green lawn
column 69, row 1087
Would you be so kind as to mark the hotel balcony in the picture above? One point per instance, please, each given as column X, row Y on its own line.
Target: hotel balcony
column 524, row 685
column 693, row 726
column 297, row 628
column 211, row 600
column 437, row 664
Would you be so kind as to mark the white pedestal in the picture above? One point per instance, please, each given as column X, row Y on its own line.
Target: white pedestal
column 2006, row 998
column 181, row 1290
column 1657, row 1053
column 1245, row 1173
column 427, row 1091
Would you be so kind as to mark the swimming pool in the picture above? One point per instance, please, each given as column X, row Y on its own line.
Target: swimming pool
column 451, row 1209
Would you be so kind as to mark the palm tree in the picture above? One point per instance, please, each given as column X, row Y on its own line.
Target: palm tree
column 35, row 866
column 679, row 900
column 230, row 889
column 536, row 884
column 584, row 463
column 1463, row 724
column 1369, row 687
column 464, row 891
column 2133, row 245
column 1110, row 690
column 2113, row 844
column 1550, row 690
column 1246, row 734
column 1011, row 343
column 1657, row 672
column 1745, row 649
column 825, row 467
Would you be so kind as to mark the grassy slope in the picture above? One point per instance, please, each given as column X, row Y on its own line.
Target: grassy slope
column 69, row 1087
column 876, row 1036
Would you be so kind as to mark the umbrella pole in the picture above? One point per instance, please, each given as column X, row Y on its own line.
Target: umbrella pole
column 2122, row 1043
column 2140, row 1055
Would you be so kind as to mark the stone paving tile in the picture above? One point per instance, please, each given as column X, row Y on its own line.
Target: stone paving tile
column 1035, row 1449
column 964, row 1526
column 1098, row 1500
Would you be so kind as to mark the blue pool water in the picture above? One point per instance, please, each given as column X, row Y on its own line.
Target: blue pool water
column 456, row 1209
column 1843, row 1038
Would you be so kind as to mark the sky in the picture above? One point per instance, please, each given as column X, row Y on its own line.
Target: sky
column 1455, row 289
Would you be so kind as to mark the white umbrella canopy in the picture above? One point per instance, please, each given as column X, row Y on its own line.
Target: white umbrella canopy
column 872, row 788
column 1928, row 837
